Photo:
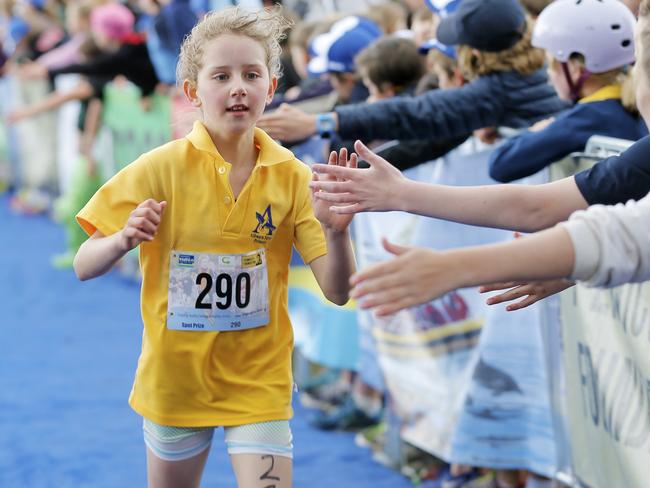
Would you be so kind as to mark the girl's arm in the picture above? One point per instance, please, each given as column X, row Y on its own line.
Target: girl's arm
column 99, row 253
column 333, row 270
column 382, row 188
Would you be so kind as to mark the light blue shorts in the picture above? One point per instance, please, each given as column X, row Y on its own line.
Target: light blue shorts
column 178, row 443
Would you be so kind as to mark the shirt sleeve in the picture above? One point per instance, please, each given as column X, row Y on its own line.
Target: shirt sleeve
column 436, row 114
column 109, row 209
column 611, row 243
column 529, row 152
column 110, row 64
column 619, row 178
column 309, row 237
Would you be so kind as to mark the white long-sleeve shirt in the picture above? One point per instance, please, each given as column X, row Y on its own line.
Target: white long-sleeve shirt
column 611, row 243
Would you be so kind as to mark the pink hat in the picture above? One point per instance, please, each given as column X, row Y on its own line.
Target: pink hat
column 114, row 20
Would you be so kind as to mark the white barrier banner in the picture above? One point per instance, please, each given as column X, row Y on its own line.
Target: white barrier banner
column 606, row 337
column 468, row 381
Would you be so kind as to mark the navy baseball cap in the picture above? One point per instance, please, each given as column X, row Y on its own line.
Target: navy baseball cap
column 486, row 25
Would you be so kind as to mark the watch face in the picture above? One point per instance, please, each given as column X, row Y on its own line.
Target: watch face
column 325, row 124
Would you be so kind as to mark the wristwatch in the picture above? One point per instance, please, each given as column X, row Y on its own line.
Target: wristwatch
column 325, row 125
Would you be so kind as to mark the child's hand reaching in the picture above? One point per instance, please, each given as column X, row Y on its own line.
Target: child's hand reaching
column 322, row 209
column 416, row 275
column 142, row 224
column 351, row 190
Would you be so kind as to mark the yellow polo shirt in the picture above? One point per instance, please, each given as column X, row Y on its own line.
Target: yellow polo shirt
column 210, row 378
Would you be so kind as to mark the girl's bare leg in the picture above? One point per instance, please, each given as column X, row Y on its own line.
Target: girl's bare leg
column 175, row 474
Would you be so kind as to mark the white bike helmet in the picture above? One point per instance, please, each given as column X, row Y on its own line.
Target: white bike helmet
column 601, row 30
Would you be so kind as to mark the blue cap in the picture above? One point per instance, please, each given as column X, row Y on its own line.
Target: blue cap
column 18, row 29
column 37, row 4
column 486, row 25
column 334, row 51
column 442, row 7
column 434, row 43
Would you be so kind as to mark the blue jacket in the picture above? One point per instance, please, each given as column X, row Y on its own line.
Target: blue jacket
column 499, row 99
column 529, row 152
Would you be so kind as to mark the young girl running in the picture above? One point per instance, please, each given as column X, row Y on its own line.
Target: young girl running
column 216, row 215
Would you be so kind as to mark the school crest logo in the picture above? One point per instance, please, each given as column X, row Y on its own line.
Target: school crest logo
column 263, row 231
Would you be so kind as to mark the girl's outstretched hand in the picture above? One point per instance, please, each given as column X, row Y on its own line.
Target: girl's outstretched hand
column 416, row 275
column 351, row 190
column 322, row 209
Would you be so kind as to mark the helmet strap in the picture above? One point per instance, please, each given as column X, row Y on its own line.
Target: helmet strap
column 574, row 87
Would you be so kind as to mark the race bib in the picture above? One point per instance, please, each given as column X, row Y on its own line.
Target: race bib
column 217, row 292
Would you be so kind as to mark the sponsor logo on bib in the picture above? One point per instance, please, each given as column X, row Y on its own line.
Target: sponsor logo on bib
column 186, row 260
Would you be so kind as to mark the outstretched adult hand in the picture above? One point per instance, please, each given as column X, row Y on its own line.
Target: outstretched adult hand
column 322, row 210
column 373, row 189
column 288, row 124
column 416, row 275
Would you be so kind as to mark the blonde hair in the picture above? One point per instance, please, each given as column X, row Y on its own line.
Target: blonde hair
column 522, row 57
column 444, row 62
column 620, row 76
column 628, row 94
column 268, row 27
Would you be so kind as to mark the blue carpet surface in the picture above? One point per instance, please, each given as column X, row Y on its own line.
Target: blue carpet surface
column 68, row 351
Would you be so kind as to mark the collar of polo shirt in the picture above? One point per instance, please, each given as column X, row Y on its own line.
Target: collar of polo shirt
column 270, row 151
